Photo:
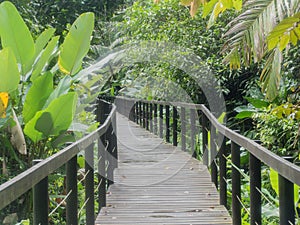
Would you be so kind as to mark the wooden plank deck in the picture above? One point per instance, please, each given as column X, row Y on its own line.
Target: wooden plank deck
column 157, row 183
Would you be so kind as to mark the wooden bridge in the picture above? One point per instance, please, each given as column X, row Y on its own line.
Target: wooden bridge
column 157, row 183
column 148, row 175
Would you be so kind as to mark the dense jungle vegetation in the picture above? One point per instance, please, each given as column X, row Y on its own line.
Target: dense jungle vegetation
column 251, row 47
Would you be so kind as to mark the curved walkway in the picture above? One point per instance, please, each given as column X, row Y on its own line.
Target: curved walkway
column 157, row 183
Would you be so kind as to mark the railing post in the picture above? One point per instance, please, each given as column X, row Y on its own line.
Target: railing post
column 204, row 122
column 286, row 200
column 155, row 119
column 102, row 111
column 140, row 113
column 213, row 155
column 168, row 123
column 193, row 130
column 255, row 189
column 144, row 114
column 183, row 129
column 147, row 115
column 236, row 184
column 71, row 185
column 137, row 115
column 161, row 121
column 175, row 126
column 110, row 156
column 223, row 173
column 40, row 200
column 151, row 117
column 89, row 185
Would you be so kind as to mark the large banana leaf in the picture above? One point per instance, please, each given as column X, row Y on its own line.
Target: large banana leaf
column 53, row 120
column 9, row 73
column 16, row 35
column 77, row 44
column 37, row 96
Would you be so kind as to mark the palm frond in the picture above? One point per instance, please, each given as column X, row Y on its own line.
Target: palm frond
column 248, row 38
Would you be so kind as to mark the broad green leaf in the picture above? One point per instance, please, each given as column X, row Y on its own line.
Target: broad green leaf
column 76, row 44
column 9, row 73
column 257, row 103
column 275, row 185
column 15, row 35
column 244, row 114
column 44, row 58
column 42, row 40
column 37, row 96
column 221, row 118
column 284, row 40
column 274, row 180
column 208, row 7
column 284, row 32
column 54, row 120
column 237, row 4
column 62, row 88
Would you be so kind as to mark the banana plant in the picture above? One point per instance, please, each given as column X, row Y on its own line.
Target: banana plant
column 31, row 103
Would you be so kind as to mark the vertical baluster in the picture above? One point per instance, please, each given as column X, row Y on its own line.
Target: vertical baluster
column 183, row 128
column 140, row 113
column 151, row 117
column 40, row 200
column 255, row 189
column 223, row 173
column 167, row 123
column 213, row 156
column 204, row 122
column 286, row 199
column 89, row 185
column 193, row 131
column 147, row 115
column 236, row 184
column 175, row 126
column 155, row 120
column 71, row 186
column 161, row 121
column 110, row 156
column 144, row 114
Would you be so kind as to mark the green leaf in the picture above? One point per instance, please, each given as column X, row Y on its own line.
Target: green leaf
column 244, row 114
column 274, row 180
column 284, row 40
column 44, row 58
column 15, row 34
column 76, row 44
column 42, row 40
column 62, row 88
column 257, row 103
column 222, row 117
column 275, row 186
column 37, row 96
column 54, row 120
column 9, row 73
column 208, row 7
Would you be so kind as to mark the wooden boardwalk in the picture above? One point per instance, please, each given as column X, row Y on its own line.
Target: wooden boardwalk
column 157, row 183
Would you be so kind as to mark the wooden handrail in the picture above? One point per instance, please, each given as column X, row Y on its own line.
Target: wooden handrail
column 288, row 172
column 12, row 189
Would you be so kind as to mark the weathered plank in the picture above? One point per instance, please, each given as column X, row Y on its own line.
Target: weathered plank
column 157, row 183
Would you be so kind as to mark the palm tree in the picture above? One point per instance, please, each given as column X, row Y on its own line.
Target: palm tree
column 262, row 30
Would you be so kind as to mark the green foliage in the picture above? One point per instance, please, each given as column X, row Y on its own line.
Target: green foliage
column 16, row 35
column 76, row 44
column 9, row 75
column 278, row 128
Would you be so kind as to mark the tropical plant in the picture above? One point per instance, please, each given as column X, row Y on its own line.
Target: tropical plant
column 259, row 33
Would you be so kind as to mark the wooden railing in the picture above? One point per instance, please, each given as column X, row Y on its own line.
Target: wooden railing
column 36, row 178
column 156, row 116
